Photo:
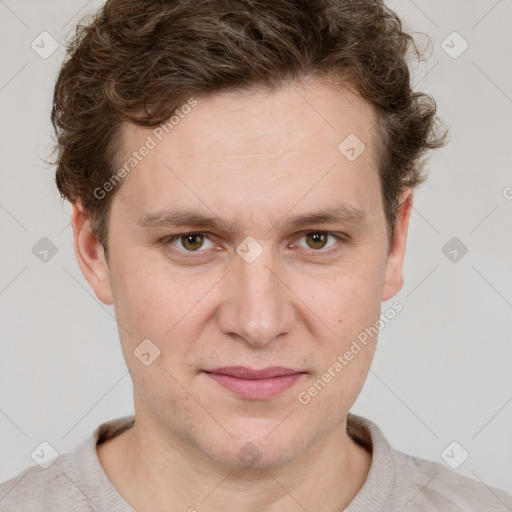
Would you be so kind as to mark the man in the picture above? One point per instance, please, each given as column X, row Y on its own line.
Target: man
column 242, row 176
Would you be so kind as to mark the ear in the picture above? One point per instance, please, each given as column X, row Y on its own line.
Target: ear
column 89, row 254
column 393, row 278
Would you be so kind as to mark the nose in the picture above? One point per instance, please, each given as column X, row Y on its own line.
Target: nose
column 258, row 305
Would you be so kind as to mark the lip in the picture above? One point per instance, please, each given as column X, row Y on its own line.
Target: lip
column 255, row 384
column 242, row 372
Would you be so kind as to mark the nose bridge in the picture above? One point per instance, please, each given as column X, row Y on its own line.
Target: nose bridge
column 258, row 308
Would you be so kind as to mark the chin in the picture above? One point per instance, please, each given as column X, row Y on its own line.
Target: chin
column 257, row 460
column 257, row 449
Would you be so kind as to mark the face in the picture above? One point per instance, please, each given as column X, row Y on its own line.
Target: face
column 245, row 237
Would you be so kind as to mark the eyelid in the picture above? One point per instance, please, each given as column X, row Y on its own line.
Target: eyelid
column 167, row 241
column 341, row 237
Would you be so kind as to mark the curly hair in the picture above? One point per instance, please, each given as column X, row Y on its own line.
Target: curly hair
column 137, row 61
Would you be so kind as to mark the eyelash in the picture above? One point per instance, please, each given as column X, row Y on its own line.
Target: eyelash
column 193, row 254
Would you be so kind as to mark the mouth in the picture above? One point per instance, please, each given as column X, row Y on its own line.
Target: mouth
column 255, row 384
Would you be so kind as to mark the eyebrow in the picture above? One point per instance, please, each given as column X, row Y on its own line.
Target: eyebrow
column 174, row 217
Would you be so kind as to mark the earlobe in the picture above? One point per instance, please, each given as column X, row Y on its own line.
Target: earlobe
column 393, row 278
column 89, row 254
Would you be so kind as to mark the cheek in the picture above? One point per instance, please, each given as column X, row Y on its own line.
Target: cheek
column 344, row 300
column 346, row 310
column 153, row 302
column 142, row 312
column 147, row 295
column 148, row 307
column 350, row 310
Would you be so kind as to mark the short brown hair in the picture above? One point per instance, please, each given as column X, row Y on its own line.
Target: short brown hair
column 138, row 60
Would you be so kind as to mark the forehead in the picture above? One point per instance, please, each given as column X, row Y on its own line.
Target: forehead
column 253, row 118
column 242, row 145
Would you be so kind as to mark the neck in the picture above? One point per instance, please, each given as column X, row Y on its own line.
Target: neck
column 153, row 470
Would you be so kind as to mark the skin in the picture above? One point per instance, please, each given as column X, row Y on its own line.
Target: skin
column 242, row 158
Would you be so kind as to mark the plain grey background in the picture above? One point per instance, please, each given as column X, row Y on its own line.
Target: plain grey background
column 442, row 370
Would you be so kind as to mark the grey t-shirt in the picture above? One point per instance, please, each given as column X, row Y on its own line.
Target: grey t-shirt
column 76, row 482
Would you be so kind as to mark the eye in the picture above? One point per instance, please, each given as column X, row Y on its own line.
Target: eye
column 190, row 242
column 317, row 240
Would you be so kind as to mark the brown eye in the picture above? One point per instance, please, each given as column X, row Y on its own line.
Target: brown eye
column 189, row 242
column 316, row 239
column 192, row 241
column 319, row 241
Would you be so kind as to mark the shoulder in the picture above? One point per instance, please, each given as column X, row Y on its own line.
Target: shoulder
column 427, row 485
column 74, row 482
column 398, row 481
column 36, row 489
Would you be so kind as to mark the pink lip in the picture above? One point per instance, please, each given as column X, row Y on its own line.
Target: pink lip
column 242, row 372
column 256, row 384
